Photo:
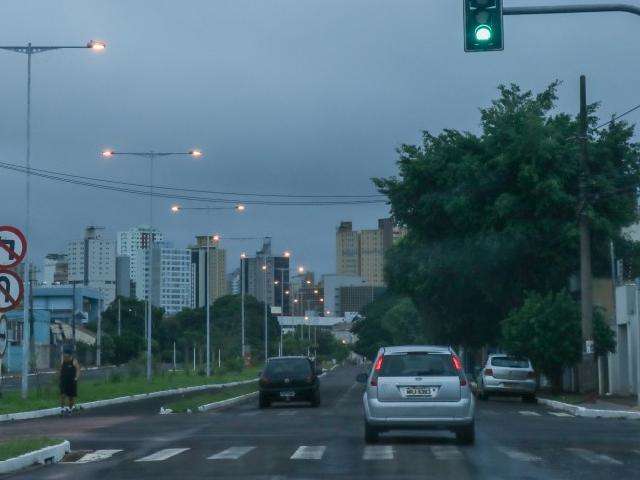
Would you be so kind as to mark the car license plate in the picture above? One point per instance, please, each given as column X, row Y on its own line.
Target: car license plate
column 287, row 394
column 419, row 391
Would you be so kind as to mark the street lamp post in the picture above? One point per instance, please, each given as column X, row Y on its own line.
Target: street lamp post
column 208, row 309
column 29, row 50
column 242, row 348
column 151, row 156
column 266, row 324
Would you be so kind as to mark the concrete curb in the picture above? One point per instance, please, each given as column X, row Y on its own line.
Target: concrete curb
column 227, row 402
column 52, row 454
column 47, row 412
column 579, row 411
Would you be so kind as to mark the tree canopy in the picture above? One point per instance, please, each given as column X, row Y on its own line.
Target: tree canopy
column 493, row 215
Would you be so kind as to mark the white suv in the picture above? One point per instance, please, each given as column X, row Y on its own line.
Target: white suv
column 418, row 388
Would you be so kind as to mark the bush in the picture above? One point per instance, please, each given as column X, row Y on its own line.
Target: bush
column 235, row 364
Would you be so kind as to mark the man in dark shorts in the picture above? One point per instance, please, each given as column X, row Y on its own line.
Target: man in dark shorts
column 69, row 374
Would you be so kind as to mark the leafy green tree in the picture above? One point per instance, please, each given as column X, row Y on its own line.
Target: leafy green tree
column 493, row 215
column 546, row 329
column 389, row 320
column 604, row 338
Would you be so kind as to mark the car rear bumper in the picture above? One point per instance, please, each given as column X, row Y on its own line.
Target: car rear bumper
column 509, row 387
column 300, row 392
column 419, row 415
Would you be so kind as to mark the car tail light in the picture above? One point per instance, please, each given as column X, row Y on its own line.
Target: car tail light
column 264, row 380
column 488, row 372
column 457, row 364
column 376, row 370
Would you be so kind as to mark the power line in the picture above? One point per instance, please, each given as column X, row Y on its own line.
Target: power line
column 134, row 191
column 192, row 190
column 617, row 117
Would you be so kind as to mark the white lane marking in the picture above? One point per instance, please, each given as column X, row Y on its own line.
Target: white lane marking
column 96, row 456
column 232, row 453
column 162, row 455
column 378, row 452
column 287, row 413
column 529, row 413
column 594, row 458
column 560, row 414
column 518, row 455
column 309, row 453
column 446, row 452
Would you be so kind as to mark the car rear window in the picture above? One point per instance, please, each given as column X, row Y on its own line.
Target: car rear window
column 510, row 362
column 288, row 367
column 414, row 364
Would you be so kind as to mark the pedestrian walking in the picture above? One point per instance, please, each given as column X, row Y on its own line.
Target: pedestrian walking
column 69, row 374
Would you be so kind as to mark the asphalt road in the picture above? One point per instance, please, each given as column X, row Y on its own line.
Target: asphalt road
column 514, row 441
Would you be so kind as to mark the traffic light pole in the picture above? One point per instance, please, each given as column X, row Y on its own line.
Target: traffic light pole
column 602, row 7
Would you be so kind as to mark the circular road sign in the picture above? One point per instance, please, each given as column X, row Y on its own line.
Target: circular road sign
column 3, row 335
column 13, row 246
column 11, row 290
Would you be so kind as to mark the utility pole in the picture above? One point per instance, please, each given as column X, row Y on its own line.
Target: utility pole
column 99, row 338
column 119, row 316
column 587, row 373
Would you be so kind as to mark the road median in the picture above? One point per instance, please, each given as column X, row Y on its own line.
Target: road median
column 39, row 413
column 586, row 412
column 22, row 453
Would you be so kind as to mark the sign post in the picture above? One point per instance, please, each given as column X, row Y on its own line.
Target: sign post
column 13, row 250
column 3, row 345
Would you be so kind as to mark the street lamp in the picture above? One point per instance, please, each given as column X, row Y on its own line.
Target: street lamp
column 29, row 50
column 266, row 331
column 151, row 156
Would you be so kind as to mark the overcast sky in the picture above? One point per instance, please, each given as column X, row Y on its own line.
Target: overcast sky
column 283, row 96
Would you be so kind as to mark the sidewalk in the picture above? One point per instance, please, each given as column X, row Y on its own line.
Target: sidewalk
column 617, row 407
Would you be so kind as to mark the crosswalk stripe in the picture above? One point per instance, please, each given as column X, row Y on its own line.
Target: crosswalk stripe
column 518, row 455
column 378, row 452
column 593, row 457
column 529, row 413
column 446, row 452
column 309, row 453
column 232, row 453
column 560, row 414
column 162, row 455
column 97, row 456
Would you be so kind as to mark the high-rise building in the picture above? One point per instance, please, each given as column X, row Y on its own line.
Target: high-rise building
column 233, row 282
column 123, row 279
column 266, row 277
column 217, row 265
column 347, row 250
column 92, row 262
column 130, row 242
column 55, row 269
column 332, row 284
column 354, row 299
column 170, row 269
column 361, row 253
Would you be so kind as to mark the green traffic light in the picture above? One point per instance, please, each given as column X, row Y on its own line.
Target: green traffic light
column 483, row 33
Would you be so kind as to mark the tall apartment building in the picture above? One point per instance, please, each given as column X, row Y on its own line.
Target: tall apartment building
column 130, row 242
column 217, row 265
column 92, row 262
column 268, row 284
column 361, row 253
column 170, row 268
column 55, row 269
column 347, row 250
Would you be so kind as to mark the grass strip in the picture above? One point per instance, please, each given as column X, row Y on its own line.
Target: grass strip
column 116, row 385
column 19, row 446
column 181, row 405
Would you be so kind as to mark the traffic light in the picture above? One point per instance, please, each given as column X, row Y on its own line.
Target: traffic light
column 483, row 30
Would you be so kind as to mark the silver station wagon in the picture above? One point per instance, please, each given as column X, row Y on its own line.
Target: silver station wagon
column 418, row 388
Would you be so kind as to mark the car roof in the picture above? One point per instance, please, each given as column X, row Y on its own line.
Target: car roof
column 417, row 348
column 290, row 357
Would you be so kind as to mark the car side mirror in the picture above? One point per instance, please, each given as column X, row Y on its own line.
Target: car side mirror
column 362, row 378
column 319, row 371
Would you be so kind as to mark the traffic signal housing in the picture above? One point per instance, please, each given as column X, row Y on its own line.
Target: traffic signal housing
column 483, row 26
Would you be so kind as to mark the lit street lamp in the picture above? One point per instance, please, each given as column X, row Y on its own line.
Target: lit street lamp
column 208, row 307
column 29, row 50
column 151, row 156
